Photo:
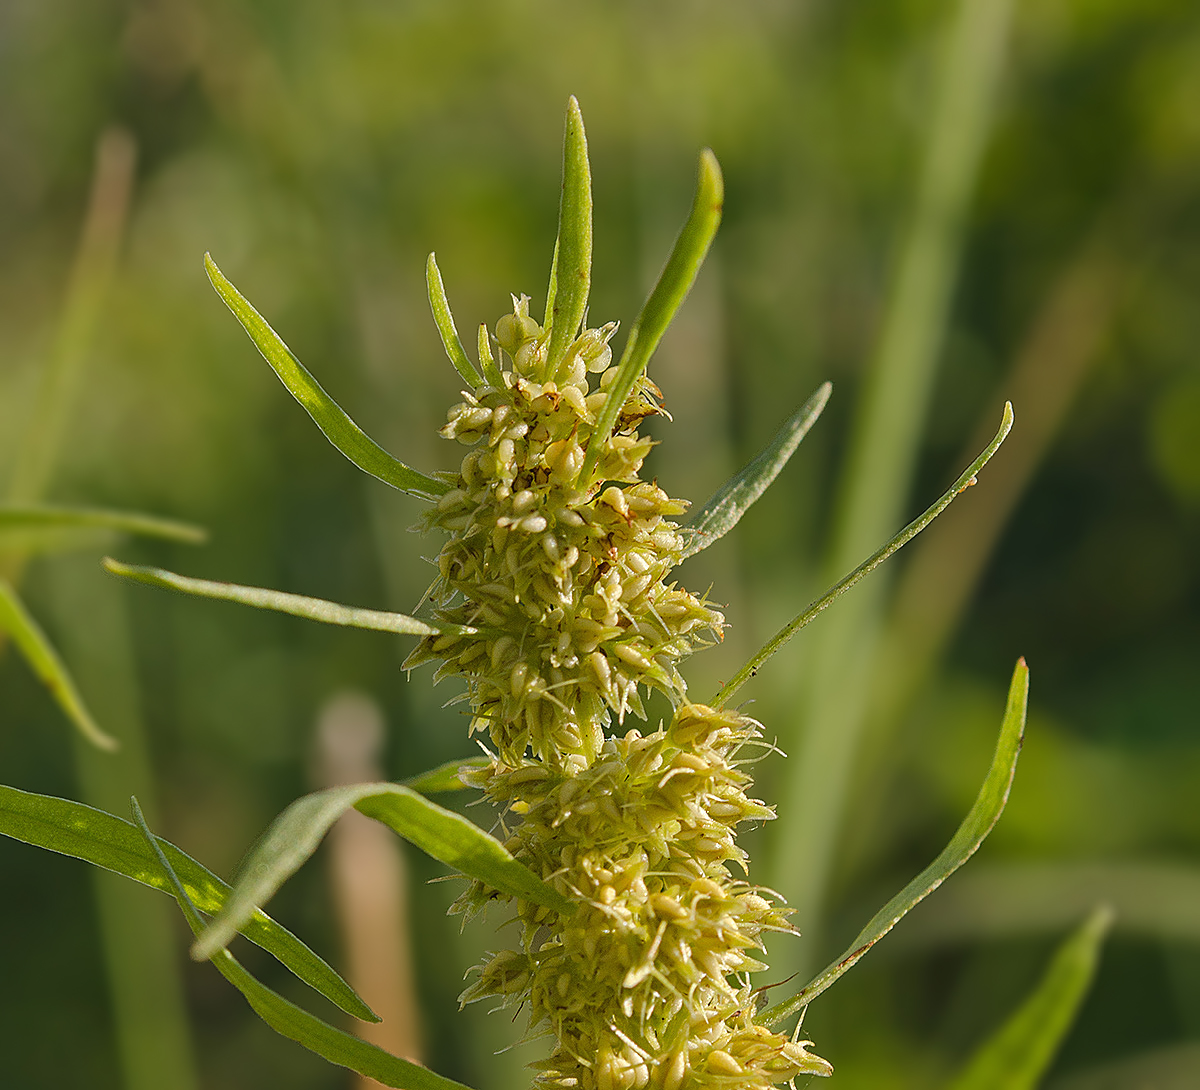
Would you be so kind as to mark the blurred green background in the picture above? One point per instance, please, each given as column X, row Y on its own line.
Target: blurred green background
column 320, row 151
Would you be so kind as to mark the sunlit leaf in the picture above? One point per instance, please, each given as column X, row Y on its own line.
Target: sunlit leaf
column 83, row 832
column 445, row 777
column 674, row 283
column 443, row 834
column 296, row 605
column 328, row 415
column 1021, row 1051
column 971, row 833
column 444, row 320
column 286, row 1018
column 965, row 481
column 572, row 270
column 487, row 361
column 734, row 498
column 31, row 641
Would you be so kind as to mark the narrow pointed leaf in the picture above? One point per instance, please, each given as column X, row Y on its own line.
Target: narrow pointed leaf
column 444, row 320
column 328, row 415
column 43, row 660
column 23, row 518
column 296, row 605
column 965, row 481
column 83, row 832
column 552, row 286
column 572, row 268
column 445, row 777
column 289, row 1020
column 733, row 499
column 674, row 283
column 993, row 796
column 1022, row 1050
column 441, row 833
column 487, row 361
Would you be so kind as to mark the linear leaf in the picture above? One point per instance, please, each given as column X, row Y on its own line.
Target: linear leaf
column 50, row 670
column 444, row 320
column 965, row 481
column 285, row 1017
column 970, row 834
column 83, row 832
column 445, row 777
column 441, row 833
column 328, row 415
column 296, row 605
column 1020, row 1052
column 674, row 282
column 36, row 517
column 487, row 361
column 572, row 270
column 734, row 498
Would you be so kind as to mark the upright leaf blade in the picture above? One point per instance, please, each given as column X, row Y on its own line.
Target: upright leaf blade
column 43, row 660
column 104, row 840
column 295, row 605
column 35, row 517
column 443, row 834
column 1021, row 1051
column 674, row 283
column 989, row 804
column 444, row 320
column 291, row 1021
column 732, row 500
column 572, row 269
column 327, row 414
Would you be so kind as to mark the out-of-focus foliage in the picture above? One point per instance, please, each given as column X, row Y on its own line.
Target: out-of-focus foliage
column 321, row 151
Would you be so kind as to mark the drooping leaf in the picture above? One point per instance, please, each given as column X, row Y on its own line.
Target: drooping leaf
column 970, row 834
column 296, row 605
column 328, row 415
column 441, row 833
column 31, row 518
column 43, row 660
column 965, row 481
column 83, row 832
column 285, row 1017
column 444, row 320
column 674, row 283
column 734, row 498
column 445, row 777
column 572, row 269
column 1021, row 1051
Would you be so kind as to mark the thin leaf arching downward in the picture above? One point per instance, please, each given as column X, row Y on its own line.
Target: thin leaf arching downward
column 104, row 840
column 444, row 320
column 23, row 518
column 674, row 282
column 445, row 776
column 289, row 1020
column 572, row 269
column 327, row 414
column 971, row 833
column 1021, row 1051
column 965, row 481
column 441, row 833
column 734, row 498
column 296, row 605
column 36, row 649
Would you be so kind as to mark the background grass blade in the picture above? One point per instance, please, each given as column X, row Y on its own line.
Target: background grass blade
column 295, row 605
column 31, row 641
column 83, row 832
column 966, row 480
column 725, row 508
column 970, row 834
column 328, row 415
column 1021, row 1051
column 444, row 320
column 572, row 271
column 291, row 1021
column 445, row 777
column 25, row 518
column 674, row 282
column 443, row 834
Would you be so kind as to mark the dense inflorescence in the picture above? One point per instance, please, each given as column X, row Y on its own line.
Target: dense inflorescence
column 564, row 581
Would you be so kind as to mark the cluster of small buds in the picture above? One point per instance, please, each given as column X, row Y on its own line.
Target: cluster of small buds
column 561, row 583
